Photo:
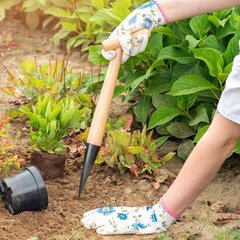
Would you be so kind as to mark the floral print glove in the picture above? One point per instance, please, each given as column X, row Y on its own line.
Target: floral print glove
column 147, row 16
column 128, row 220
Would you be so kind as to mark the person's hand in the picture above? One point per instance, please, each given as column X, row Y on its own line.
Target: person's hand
column 128, row 220
column 147, row 16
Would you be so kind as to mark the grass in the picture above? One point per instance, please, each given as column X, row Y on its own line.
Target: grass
column 226, row 234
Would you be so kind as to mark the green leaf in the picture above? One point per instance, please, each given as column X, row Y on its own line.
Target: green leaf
column 159, row 83
column 95, row 55
column 160, row 141
column 98, row 4
column 163, row 100
column 237, row 148
column 200, row 25
column 142, row 108
column 7, row 4
column 169, row 156
column 185, row 148
column 120, row 138
column 211, row 42
column 212, row 58
column 166, row 31
column 135, row 149
column 175, row 53
column 162, row 116
column 185, row 102
column 200, row 133
column 62, row 3
column 66, row 118
column 232, row 50
column 193, row 42
column 190, row 84
column 201, row 116
column 57, row 12
column 180, row 130
column 61, row 34
column 31, row 6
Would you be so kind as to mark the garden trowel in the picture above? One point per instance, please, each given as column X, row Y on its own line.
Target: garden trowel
column 100, row 117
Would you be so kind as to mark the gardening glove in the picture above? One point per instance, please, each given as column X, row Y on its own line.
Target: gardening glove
column 127, row 220
column 148, row 16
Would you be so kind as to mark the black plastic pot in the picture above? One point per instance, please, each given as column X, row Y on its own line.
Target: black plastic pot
column 25, row 191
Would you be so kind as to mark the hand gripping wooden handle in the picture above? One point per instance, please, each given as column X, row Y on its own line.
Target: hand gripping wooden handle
column 100, row 117
column 112, row 43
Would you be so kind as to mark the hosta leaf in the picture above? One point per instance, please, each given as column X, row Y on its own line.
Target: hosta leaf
column 190, row 84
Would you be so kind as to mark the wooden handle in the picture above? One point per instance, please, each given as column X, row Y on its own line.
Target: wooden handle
column 100, row 117
column 112, row 43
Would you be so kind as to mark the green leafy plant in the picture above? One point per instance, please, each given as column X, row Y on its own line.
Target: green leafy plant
column 177, row 82
column 134, row 151
column 51, row 120
column 7, row 160
column 79, row 22
column 57, row 79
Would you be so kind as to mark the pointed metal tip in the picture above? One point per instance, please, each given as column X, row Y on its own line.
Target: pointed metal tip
column 89, row 159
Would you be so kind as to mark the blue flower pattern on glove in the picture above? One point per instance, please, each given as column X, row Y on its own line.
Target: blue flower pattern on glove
column 139, row 225
column 154, row 217
column 106, row 210
column 147, row 23
column 122, row 216
column 132, row 20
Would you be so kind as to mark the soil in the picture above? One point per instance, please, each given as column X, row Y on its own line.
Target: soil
column 53, row 165
column 211, row 211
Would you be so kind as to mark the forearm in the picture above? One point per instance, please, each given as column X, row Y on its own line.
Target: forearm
column 182, row 9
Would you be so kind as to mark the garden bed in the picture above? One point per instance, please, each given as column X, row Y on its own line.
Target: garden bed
column 62, row 218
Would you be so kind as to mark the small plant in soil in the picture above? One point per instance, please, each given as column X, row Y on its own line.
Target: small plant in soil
column 7, row 160
column 135, row 151
column 32, row 79
column 50, row 121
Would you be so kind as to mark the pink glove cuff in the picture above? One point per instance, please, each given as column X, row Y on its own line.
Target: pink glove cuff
column 168, row 210
column 161, row 10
